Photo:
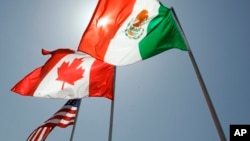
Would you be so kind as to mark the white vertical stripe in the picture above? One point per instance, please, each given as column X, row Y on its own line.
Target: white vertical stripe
column 41, row 134
column 51, row 88
column 123, row 49
column 35, row 134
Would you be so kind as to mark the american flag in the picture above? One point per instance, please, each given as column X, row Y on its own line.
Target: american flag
column 62, row 118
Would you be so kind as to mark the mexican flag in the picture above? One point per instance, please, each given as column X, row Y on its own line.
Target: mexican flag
column 68, row 75
column 122, row 32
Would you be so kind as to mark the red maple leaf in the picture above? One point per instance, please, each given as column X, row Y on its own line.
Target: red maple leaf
column 69, row 72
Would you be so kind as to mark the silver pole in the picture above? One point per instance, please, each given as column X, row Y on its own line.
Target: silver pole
column 74, row 125
column 112, row 109
column 203, row 86
column 208, row 99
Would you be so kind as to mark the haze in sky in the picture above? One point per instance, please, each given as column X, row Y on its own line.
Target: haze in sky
column 158, row 99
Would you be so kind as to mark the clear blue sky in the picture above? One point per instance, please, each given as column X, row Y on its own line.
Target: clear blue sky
column 158, row 99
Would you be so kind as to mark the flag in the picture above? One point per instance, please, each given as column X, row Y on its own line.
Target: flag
column 62, row 118
column 122, row 32
column 68, row 75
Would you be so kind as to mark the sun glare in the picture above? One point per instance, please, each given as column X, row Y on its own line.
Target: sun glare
column 103, row 22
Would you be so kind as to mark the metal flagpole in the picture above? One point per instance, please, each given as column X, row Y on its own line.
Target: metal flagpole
column 203, row 86
column 112, row 109
column 74, row 125
column 111, row 121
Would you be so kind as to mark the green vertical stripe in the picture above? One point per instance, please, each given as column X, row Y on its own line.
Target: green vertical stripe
column 162, row 34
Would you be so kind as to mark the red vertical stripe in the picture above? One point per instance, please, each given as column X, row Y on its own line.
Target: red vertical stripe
column 109, row 15
column 29, row 83
column 101, row 80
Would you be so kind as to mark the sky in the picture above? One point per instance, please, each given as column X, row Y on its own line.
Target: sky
column 158, row 99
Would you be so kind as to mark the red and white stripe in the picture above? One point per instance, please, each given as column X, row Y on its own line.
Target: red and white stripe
column 63, row 118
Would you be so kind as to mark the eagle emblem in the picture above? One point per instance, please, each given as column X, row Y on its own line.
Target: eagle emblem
column 134, row 28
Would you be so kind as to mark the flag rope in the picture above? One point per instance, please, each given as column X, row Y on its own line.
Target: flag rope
column 74, row 125
column 202, row 84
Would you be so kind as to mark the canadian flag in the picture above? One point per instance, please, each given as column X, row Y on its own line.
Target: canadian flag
column 68, row 75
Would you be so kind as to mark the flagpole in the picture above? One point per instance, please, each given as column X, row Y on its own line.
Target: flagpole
column 111, row 121
column 112, row 109
column 202, row 84
column 74, row 125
